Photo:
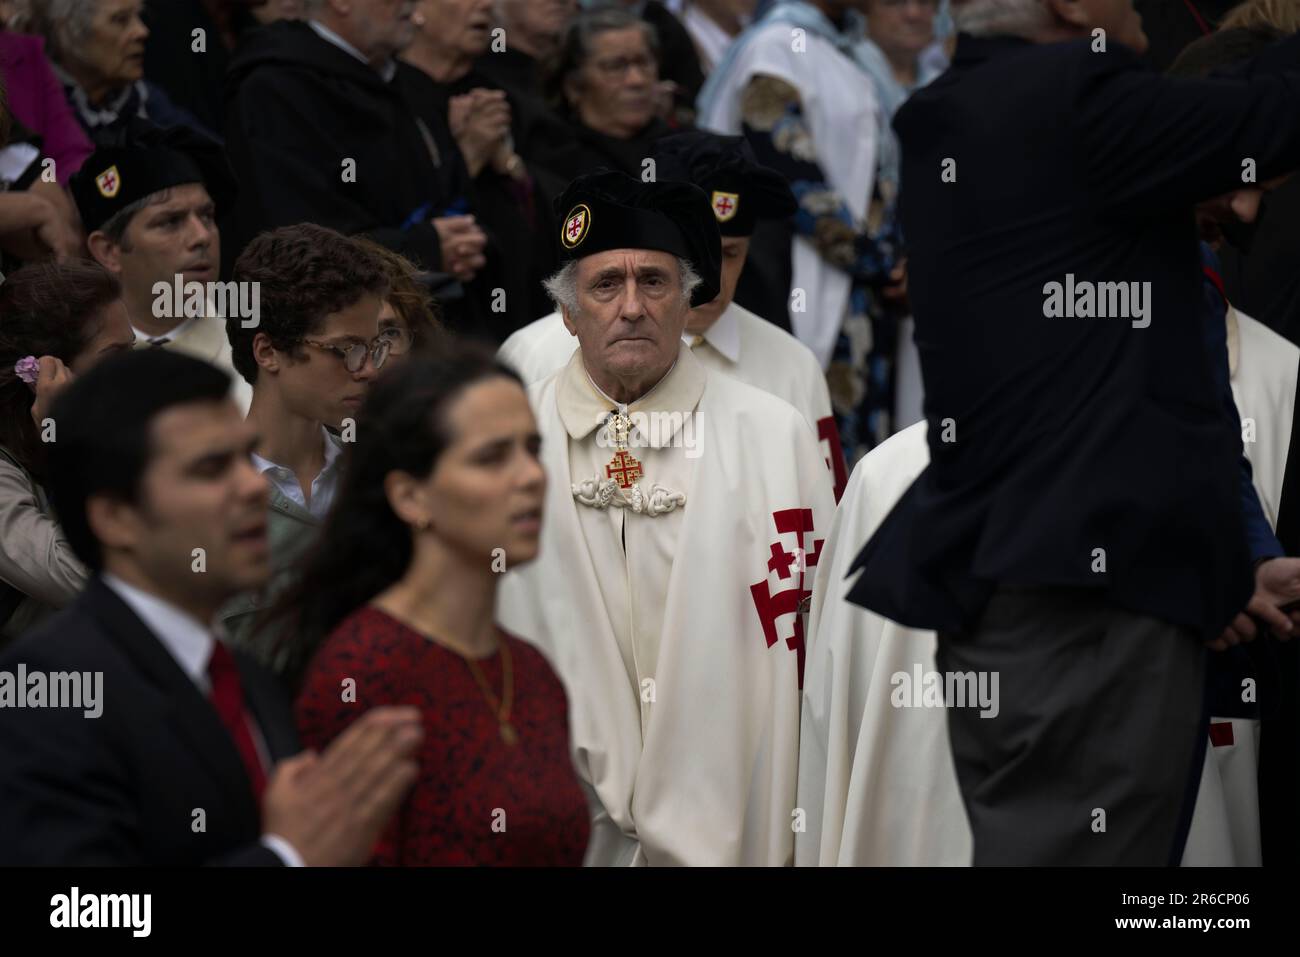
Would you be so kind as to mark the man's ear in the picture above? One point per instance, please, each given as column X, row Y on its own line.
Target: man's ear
column 265, row 354
column 106, row 252
column 568, row 320
column 1071, row 12
column 116, row 524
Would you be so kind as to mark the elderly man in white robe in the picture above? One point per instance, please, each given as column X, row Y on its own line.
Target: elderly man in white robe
column 684, row 522
column 724, row 335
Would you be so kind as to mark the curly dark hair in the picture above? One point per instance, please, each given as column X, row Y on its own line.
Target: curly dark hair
column 306, row 272
column 46, row 309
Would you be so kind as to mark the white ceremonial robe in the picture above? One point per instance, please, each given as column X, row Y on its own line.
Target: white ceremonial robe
column 840, row 107
column 877, row 782
column 678, row 635
column 740, row 344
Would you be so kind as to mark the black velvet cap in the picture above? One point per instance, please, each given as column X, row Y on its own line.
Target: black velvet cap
column 608, row 210
column 741, row 191
column 146, row 159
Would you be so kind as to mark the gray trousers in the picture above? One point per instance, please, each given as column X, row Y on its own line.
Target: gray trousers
column 1096, row 749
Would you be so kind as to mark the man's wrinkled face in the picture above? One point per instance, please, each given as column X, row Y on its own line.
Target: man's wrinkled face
column 630, row 314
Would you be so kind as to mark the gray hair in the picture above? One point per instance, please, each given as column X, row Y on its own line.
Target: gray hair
column 64, row 24
column 563, row 286
column 1019, row 18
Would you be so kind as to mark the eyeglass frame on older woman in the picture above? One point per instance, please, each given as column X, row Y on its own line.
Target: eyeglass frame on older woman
column 378, row 349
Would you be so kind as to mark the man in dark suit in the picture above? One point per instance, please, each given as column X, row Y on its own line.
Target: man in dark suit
column 1079, row 532
column 190, row 758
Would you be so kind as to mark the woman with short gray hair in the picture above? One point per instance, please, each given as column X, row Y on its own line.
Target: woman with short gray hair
column 605, row 85
column 97, row 50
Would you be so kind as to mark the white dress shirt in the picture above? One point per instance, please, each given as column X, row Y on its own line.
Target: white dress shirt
column 190, row 642
column 322, row 486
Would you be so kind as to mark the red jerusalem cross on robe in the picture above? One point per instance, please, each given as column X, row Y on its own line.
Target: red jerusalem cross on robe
column 623, row 468
column 791, row 566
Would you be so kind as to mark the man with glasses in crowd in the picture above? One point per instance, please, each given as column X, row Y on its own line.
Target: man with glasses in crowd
column 310, row 361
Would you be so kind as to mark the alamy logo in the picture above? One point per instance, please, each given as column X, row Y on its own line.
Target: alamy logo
column 54, row 689
column 655, row 430
column 217, row 300
column 951, row 689
column 134, row 911
column 1098, row 300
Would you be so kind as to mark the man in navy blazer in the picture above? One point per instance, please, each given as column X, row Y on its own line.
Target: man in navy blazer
column 170, row 749
column 1079, row 531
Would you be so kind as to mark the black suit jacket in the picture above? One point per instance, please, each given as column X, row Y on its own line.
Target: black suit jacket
column 123, row 788
column 1054, row 438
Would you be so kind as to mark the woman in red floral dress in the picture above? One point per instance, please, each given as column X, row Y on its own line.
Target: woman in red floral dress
column 443, row 491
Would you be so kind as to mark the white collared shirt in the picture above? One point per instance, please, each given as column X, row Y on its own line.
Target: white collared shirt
column 322, row 486
column 386, row 72
column 187, row 639
column 190, row 642
column 143, row 338
column 723, row 336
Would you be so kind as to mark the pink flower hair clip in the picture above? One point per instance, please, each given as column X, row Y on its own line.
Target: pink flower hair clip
column 28, row 369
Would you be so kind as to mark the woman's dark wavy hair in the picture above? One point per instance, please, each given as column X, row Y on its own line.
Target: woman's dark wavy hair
column 46, row 309
column 364, row 547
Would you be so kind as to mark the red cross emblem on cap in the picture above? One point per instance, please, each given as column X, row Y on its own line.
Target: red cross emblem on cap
column 108, row 182
column 576, row 225
column 724, row 205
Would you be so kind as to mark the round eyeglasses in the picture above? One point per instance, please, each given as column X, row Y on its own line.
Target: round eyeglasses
column 354, row 355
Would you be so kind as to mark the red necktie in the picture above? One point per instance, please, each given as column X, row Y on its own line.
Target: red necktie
column 228, row 698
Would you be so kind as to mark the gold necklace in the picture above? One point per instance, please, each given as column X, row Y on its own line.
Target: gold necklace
column 502, row 708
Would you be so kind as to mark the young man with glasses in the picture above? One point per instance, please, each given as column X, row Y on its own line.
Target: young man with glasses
column 310, row 361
